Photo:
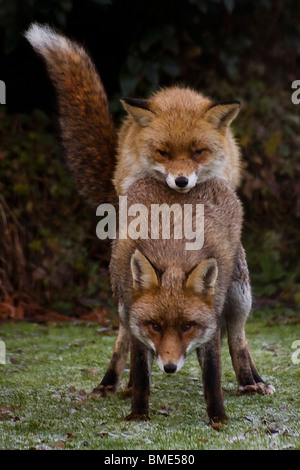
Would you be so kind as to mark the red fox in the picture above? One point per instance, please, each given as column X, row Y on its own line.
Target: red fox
column 181, row 141
column 172, row 300
column 178, row 135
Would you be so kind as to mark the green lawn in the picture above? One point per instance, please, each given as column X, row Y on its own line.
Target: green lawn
column 50, row 369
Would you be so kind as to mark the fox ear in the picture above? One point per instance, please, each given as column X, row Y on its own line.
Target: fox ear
column 138, row 109
column 202, row 279
column 222, row 114
column 143, row 274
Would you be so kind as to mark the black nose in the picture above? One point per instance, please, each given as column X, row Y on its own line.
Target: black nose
column 170, row 368
column 181, row 181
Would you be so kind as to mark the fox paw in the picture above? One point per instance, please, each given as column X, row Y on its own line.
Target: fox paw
column 138, row 417
column 103, row 391
column 257, row 388
column 218, row 421
column 128, row 392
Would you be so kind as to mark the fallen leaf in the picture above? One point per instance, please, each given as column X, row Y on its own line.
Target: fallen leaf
column 90, row 371
column 3, row 155
column 59, row 445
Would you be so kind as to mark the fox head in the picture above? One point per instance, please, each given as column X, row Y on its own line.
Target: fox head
column 172, row 312
column 181, row 136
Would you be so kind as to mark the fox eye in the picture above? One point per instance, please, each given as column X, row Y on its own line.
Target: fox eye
column 199, row 152
column 156, row 327
column 186, row 327
column 163, row 153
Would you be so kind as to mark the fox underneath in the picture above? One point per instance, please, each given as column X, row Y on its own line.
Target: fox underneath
column 172, row 301
column 177, row 135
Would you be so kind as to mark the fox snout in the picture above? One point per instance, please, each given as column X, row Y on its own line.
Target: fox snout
column 181, row 183
column 170, row 365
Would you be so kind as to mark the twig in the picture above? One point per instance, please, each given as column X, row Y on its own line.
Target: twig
column 4, row 204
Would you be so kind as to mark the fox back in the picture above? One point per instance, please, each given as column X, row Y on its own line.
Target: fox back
column 169, row 297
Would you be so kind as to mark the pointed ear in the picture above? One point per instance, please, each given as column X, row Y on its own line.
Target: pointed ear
column 143, row 274
column 222, row 114
column 203, row 278
column 138, row 109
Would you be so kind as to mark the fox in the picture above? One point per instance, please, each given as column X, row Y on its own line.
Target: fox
column 181, row 141
column 178, row 135
column 172, row 301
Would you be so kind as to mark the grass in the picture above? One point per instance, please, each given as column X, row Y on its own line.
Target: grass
column 51, row 368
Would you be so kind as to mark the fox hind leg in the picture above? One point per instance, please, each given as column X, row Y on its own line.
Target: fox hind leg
column 236, row 310
column 111, row 380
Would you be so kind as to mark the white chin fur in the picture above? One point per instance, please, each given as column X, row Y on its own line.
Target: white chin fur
column 181, row 190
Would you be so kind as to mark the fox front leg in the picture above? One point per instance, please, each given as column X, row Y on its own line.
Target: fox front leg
column 209, row 356
column 140, row 372
column 236, row 310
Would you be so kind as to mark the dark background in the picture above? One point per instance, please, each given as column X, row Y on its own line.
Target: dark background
column 50, row 259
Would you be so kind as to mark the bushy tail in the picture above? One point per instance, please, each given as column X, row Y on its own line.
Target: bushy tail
column 88, row 132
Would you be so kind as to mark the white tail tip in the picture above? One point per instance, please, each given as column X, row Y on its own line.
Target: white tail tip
column 43, row 37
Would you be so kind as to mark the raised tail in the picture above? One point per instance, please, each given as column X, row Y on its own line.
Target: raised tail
column 87, row 130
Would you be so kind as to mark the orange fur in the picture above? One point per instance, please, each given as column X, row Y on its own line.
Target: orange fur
column 177, row 132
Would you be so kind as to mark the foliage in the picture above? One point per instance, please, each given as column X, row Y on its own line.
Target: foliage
column 47, row 234
column 231, row 49
column 14, row 14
